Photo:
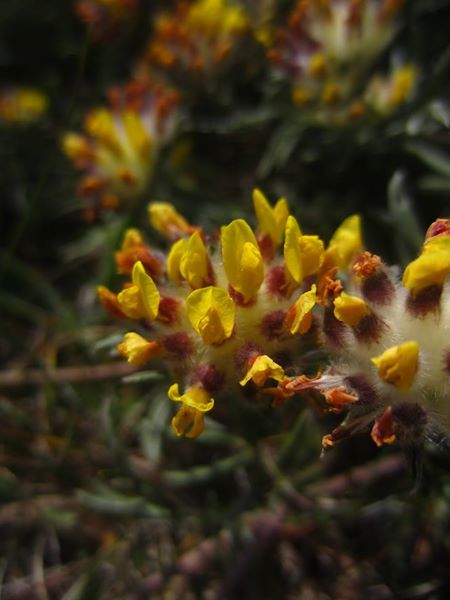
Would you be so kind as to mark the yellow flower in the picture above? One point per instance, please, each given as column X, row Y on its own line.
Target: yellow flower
column 174, row 260
column 398, row 365
column 300, row 314
column 263, row 368
column 194, row 263
column 165, row 219
column 346, row 242
column 189, row 420
column 76, row 147
column 403, row 81
column 137, row 350
column 242, row 259
column 350, row 309
column 141, row 300
column 432, row 267
column 22, row 105
column 303, row 254
column 271, row 221
column 211, row 312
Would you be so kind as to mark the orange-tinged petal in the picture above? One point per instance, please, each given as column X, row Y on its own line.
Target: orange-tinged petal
column 261, row 369
column 398, row 365
column 350, row 309
column 137, row 350
column 299, row 318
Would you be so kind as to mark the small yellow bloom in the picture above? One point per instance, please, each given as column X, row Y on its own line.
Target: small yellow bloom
column 141, row 300
column 137, row 350
column 189, row 420
column 211, row 312
column 131, row 239
column 398, row 365
column 271, row 221
column 174, row 260
column 242, row 259
column 350, row 309
column 303, row 254
column 263, row 368
column 194, row 263
column 76, row 147
column 300, row 314
column 165, row 219
column 432, row 267
column 22, row 105
column 403, row 81
column 346, row 242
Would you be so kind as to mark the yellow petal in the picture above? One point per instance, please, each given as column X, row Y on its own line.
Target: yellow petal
column 137, row 350
column 194, row 262
column 150, row 296
column 271, row 221
column 195, row 397
column 350, row 309
column 188, row 422
column 312, row 253
column 346, row 242
column 130, row 302
column 242, row 259
column 174, row 260
column 211, row 312
column 292, row 253
column 131, row 239
column 302, row 311
column 165, row 219
column 263, row 368
column 432, row 267
column 100, row 124
column 398, row 365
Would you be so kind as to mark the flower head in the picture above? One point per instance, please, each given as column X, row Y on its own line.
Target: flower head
column 121, row 143
column 219, row 315
column 22, row 105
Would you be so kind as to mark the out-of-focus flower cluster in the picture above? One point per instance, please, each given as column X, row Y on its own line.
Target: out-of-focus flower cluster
column 323, row 58
column 22, row 105
column 227, row 310
column 326, row 52
column 118, row 150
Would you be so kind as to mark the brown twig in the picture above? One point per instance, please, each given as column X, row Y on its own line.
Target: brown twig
column 18, row 377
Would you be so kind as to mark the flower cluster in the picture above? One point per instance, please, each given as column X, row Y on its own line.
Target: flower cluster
column 390, row 348
column 223, row 311
column 197, row 36
column 22, row 105
column 326, row 51
column 118, row 151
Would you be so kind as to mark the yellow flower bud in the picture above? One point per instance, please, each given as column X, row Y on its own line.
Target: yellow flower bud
column 242, row 259
column 263, row 368
column 346, row 242
column 189, row 419
column 165, row 219
column 300, row 314
column 137, row 350
column 303, row 254
column 141, row 300
column 271, row 221
column 350, row 309
column 398, row 365
column 194, row 262
column 211, row 312
column 432, row 267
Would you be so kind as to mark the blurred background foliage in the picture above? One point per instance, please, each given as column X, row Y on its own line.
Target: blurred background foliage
column 98, row 498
